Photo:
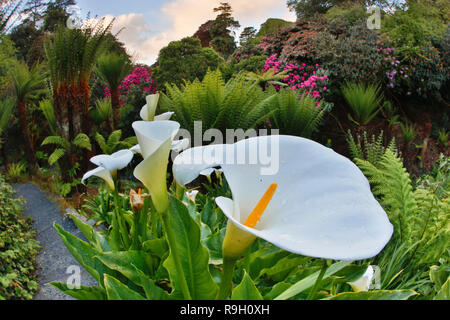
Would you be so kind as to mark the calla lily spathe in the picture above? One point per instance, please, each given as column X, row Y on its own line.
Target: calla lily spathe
column 108, row 166
column 148, row 111
column 323, row 206
column 177, row 146
column 115, row 161
column 102, row 173
column 155, row 141
column 363, row 283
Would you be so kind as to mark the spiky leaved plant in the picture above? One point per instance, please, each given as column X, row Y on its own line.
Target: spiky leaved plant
column 363, row 100
column 297, row 116
column 27, row 86
column 269, row 77
column 112, row 69
column 71, row 56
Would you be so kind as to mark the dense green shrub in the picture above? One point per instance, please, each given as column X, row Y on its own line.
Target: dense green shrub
column 272, row 25
column 18, row 248
column 421, row 22
column 428, row 72
column 184, row 60
column 350, row 56
column 350, row 14
column 7, row 60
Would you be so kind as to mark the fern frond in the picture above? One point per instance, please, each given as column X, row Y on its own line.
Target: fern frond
column 56, row 140
column 56, row 155
column 82, row 141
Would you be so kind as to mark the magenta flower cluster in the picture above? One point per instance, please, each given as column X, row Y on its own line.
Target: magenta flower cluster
column 304, row 78
column 394, row 71
column 139, row 79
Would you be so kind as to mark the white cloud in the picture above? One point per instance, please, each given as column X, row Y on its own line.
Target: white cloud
column 184, row 17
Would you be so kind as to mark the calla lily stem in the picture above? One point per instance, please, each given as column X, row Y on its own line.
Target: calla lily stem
column 227, row 278
column 316, row 287
column 122, row 228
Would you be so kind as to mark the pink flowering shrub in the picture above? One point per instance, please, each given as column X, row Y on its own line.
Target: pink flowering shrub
column 135, row 87
column 396, row 73
column 308, row 79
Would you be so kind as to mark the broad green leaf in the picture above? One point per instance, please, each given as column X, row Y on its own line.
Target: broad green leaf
column 116, row 290
column 309, row 281
column 444, row 293
column 86, row 230
column 277, row 289
column 283, row 267
column 84, row 254
column 193, row 256
column 376, row 295
column 246, row 290
column 157, row 247
column 84, row 293
column 350, row 273
column 152, row 291
column 214, row 245
column 126, row 262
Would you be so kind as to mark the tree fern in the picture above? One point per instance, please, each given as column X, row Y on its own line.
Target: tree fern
column 46, row 106
column 235, row 104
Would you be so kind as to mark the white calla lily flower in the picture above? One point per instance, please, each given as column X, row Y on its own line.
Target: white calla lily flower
column 102, row 173
column 363, row 283
column 148, row 111
column 115, row 161
column 164, row 116
column 155, row 141
column 108, row 166
column 177, row 146
column 136, row 149
column 323, row 205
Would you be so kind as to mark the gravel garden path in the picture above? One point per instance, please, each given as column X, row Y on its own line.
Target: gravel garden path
column 54, row 259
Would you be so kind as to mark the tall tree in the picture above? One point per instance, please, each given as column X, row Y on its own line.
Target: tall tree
column 247, row 35
column 25, row 36
column 222, row 30
column 56, row 14
column 7, row 10
column 35, row 10
column 71, row 57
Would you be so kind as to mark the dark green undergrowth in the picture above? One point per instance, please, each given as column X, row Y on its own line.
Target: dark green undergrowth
column 18, row 248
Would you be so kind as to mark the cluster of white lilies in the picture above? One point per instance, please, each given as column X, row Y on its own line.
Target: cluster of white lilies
column 319, row 204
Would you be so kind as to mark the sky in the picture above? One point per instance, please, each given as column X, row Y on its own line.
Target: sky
column 149, row 25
